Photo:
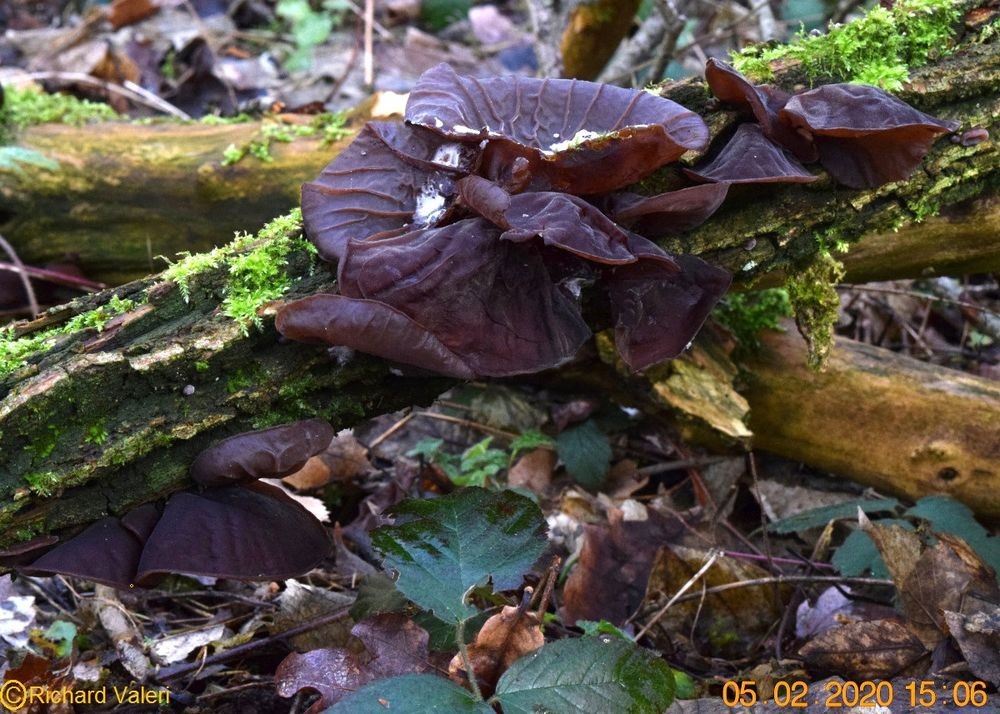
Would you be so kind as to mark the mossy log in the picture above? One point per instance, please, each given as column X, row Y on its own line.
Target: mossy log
column 903, row 426
column 126, row 193
column 96, row 422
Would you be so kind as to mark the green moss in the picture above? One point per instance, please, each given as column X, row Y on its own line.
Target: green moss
column 747, row 314
column 43, row 446
column 816, row 305
column 97, row 433
column 328, row 126
column 27, row 107
column 239, row 381
column 879, row 48
column 15, row 351
column 201, row 366
column 43, row 483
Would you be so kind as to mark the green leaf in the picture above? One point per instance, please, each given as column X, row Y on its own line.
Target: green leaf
column 593, row 628
column 946, row 515
column 478, row 463
column 858, row 555
column 818, row 517
column 527, row 441
column 377, row 593
column 586, row 452
column 443, row 547
column 60, row 636
column 410, row 694
column 590, row 674
column 438, row 14
column 11, row 158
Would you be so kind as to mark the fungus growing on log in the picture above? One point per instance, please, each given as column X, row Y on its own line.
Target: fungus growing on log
column 750, row 157
column 249, row 531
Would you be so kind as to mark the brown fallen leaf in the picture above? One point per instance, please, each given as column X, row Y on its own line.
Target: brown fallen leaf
column 533, row 471
column 393, row 645
column 504, row 638
column 978, row 637
column 877, row 649
column 129, row 12
column 345, row 458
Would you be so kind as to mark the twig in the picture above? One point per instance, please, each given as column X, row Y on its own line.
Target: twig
column 713, row 555
column 390, row 431
column 673, row 20
column 467, row 423
column 923, row 296
column 545, row 18
column 680, row 465
column 241, row 650
column 20, row 270
column 54, row 276
column 124, row 635
column 156, row 103
column 369, row 61
column 766, row 22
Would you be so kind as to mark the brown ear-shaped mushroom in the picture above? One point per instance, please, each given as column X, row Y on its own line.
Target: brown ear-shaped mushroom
column 391, row 178
column 490, row 303
column 578, row 137
column 657, row 311
column 668, row 213
column 248, row 532
column 27, row 551
column 105, row 552
column 763, row 102
column 750, row 157
column 266, row 453
column 371, row 327
column 866, row 137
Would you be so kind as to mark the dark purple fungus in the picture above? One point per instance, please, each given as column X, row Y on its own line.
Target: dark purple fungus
column 865, row 136
column 105, row 552
column 750, row 157
column 369, row 326
column 266, row 453
column 573, row 136
column 761, row 102
column 658, row 311
column 248, row 532
column 489, row 302
column 667, row 213
column 392, row 178
column 27, row 551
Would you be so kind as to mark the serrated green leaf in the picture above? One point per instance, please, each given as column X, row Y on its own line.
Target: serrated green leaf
column 527, row 441
column 858, row 555
column 377, row 593
column 443, row 547
column 592, row 628
column 586, row 451
column 818, row 517
column 589, row 674
column 438, row 14
column 410, row 694
column 946, row 515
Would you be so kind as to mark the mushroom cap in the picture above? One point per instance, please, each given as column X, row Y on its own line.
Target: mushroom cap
column 26, row 551
column 578, row 137
column 105, row 552
column 668, row 213
column 266, row 453
column 750, row 157
column 248, row 532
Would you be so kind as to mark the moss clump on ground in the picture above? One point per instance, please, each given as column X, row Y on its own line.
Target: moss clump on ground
column 14, row 351
column 879, row 48
column 816, row 305
column 328, row 126
column 256, row 267
column 27, row 107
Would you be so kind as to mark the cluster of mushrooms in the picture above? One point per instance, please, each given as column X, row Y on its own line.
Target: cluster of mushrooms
column 463, row 239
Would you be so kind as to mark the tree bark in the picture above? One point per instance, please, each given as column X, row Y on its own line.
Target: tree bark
column 103, row 421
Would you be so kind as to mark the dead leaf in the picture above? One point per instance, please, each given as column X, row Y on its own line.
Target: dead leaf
column 129, row 12
column 609, row 579
column 900, row 548
column 978, row 637
column 344, row 459
column 392, row 645
column 300, row 603
column 624, row 479
column 533, row 471
column 877, row 649
column 503, row 639
column 833, row 609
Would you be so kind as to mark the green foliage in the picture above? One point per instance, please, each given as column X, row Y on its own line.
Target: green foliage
column 445, row 547
column 946, row 515
column 819, row 517
column 816, row 304
column 58, row 639
column 43, row 483
column 879, row 48
column 309, row 28
column 589, row 674
column 586, row 452
column 14, row 351
column 747, row 314
column 438, row 14
column 480, row 463
column 97, row 433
